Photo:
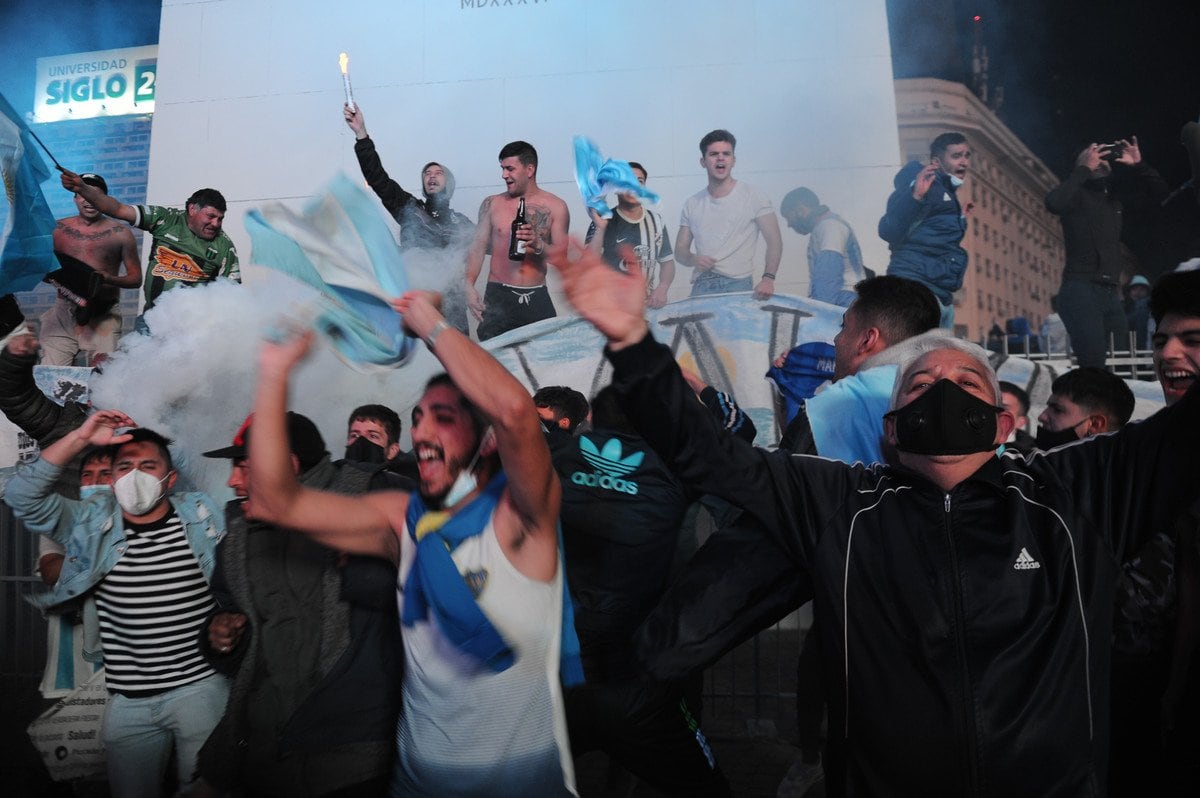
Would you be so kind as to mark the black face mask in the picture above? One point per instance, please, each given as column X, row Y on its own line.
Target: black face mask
column 363, row 450
column 555, row 435
column 946, row 420
column 803, row 225
column 1047, row 439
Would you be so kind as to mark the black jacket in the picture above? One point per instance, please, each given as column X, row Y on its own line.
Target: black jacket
column 621, row 512
column 38, row 416
column 966, row 634
column 329, row 720
column 1091, row 211
column 428, row 222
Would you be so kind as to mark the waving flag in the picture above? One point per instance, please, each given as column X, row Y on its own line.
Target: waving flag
column 598, row 176
column 341, row 247
column 28, row 236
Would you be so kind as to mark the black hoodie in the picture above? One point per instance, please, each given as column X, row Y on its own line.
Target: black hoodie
column 427, row 223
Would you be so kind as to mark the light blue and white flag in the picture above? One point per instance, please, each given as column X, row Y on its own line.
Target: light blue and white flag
column 340, row 246
column 598, row 176
column 27, row 253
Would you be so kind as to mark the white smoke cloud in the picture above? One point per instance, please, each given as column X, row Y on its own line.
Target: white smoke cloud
column 193, row 377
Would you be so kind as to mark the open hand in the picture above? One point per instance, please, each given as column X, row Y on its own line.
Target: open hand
column 613, row 301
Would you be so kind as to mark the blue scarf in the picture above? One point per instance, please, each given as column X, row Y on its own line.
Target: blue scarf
column 435, row 585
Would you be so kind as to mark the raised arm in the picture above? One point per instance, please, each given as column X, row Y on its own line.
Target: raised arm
column 355, row 524
column 23, row 402
column 1064, row 197
column 393, row 196
column 479, row 244
column 527, row 517
column 109, row 206
column 31, row 491
column 663, row 408
column 595, row 233
column 905, row 204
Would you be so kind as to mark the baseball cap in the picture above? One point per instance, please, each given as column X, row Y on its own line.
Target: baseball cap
column 1139, row 279
column 304, row 441
column 95, row 180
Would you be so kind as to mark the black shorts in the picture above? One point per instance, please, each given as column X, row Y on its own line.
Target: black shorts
column 507, row 307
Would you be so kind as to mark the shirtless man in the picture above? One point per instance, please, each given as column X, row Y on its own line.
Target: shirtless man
column 516, row 289
column 103, row 244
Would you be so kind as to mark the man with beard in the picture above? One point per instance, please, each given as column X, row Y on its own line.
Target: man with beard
column 961, row 594
column 480, row 583
column 424, row 224
column 516, row 292
column 834, row 258
column 104, row 245
column 1090, row 203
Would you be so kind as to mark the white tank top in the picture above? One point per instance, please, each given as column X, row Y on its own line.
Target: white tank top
column 466, row 730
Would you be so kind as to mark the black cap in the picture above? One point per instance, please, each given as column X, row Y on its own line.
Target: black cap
column 95, row 180
column 304, row 441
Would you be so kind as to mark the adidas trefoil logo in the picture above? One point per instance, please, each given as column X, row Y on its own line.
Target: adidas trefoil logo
column 610, row 466
column 1025, row 562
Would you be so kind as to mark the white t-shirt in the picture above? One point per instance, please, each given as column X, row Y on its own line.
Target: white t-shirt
column 724, row 228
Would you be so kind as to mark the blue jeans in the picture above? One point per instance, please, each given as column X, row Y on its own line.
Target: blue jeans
column 139, row 733
column 713, row 283
column 1091, row 312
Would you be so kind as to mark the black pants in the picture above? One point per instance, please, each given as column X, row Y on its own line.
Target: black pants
column 648, row 729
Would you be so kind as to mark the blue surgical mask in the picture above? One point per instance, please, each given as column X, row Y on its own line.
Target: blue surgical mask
column 91, row 490
column 955, row 181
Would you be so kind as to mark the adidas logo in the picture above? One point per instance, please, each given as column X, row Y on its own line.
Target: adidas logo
column 610, row 466
column 1025, row 562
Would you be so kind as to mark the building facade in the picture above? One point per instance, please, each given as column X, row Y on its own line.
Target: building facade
column 1014, row 245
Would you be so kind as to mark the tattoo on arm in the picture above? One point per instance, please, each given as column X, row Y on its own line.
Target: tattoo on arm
column 541, row 223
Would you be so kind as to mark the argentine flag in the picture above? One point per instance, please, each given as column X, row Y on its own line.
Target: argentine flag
column 27, row 241
column 341, row 247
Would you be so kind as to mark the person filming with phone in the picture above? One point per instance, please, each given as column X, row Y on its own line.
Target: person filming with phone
column 1107, row 181
column 924, row 222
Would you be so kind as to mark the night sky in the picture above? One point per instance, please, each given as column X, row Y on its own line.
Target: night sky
column 1076, row 72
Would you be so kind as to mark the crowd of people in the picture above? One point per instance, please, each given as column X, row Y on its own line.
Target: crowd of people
column 995, row 612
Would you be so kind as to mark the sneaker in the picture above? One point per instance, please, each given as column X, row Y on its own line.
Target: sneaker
column 800, row 778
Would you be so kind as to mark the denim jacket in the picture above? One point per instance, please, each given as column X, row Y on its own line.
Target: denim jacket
column 93, row 532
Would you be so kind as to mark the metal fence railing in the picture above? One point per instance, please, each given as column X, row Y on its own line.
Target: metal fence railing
column 1124, row 358
column 22, row 628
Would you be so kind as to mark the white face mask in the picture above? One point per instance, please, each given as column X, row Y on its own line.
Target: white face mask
column 955, row 180
column 137, row 492
column 465, row 482
column 91, row 490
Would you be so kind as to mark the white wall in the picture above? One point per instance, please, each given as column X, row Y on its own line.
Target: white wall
column 250, row 98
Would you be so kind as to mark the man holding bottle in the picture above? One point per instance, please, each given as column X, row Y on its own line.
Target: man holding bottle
column 516, row 292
